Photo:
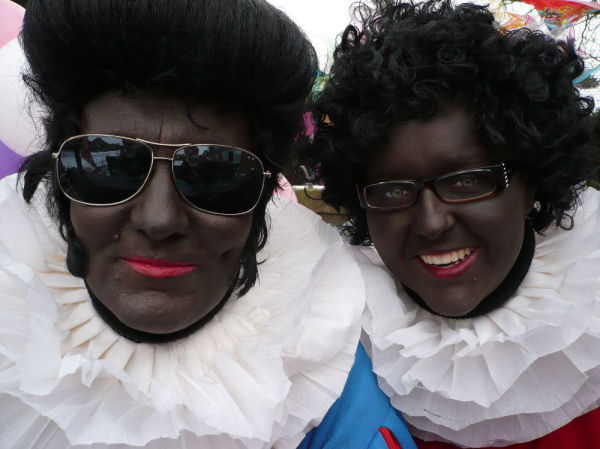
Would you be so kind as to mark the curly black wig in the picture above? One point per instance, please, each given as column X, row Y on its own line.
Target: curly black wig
column 405, row 60
column 244, row 54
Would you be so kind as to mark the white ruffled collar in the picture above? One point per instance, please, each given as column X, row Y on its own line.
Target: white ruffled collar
column 509, row 376
column 259, row 375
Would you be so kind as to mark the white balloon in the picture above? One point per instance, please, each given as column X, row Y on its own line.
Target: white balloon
column 20, row 117
column 322, row 21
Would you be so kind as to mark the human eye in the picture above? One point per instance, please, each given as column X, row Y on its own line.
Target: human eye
column 390, row 194
column 395, row 192
column 465, row 181
column 466, row 184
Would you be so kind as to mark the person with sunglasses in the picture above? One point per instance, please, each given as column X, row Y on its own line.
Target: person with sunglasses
column 151, row 292
column 461, row 152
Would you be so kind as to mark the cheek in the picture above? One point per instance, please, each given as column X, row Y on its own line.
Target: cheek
column 222, row 234
column 501, row 220
column 381, row 226
column 500, row 228
column 388, row 233
column 95, row 227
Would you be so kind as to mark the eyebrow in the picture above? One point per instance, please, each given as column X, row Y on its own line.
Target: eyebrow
column 463, row 162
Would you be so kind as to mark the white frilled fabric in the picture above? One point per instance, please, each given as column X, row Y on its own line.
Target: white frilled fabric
column 261, row 374
column 505, row 377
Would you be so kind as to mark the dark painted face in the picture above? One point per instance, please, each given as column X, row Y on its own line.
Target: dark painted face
column 483, row 238
column 123, row 242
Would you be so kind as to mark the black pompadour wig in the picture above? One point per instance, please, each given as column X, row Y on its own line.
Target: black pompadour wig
column 244, row 54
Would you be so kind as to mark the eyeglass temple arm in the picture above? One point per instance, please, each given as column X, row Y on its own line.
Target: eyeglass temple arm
column 507, row 172
column 360, row 196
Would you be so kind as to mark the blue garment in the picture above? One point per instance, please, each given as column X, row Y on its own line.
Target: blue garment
column 354, row 420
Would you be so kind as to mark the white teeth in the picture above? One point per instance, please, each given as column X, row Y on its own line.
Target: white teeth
column 447, row 258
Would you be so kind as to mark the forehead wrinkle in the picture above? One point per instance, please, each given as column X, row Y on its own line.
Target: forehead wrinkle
column 160, row 129
column 190, row 115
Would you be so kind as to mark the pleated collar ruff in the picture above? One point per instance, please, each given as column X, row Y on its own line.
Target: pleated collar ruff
column 510, row 375
column 261, row 374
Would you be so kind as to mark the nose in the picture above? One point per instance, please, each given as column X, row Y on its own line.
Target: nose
column 158, row 211
column 432, row 217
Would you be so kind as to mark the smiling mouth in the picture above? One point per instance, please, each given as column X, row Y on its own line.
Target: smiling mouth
column 446, row 259
column 448, row 264
column 158, row 268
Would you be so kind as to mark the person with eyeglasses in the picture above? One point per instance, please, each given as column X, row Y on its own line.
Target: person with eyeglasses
column 152, row 293
column 461, row 152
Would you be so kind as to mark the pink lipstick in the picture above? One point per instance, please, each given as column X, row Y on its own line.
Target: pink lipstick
column 158, row 268
column 447, row 271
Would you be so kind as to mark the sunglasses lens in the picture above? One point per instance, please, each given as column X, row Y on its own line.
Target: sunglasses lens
column 219, row 179
column 102, row 169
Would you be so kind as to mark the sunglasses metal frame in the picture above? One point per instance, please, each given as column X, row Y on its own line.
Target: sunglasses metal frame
column 505, row 177
column 176, row 147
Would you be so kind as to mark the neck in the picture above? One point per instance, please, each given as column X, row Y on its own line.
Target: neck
column 507, row 287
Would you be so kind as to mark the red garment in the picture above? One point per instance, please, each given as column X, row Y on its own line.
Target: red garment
column 389, row 438
column 581, row 433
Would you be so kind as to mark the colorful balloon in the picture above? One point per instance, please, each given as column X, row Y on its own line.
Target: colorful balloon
column 19, row 117
column 17, row 130
column 11, row 18
column 9, row 161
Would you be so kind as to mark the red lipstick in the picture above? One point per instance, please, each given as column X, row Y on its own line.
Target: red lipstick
column 450, row 271
column 159, row 268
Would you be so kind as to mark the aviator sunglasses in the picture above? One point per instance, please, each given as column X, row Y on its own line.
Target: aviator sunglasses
column 457, row 187
column 106, row 170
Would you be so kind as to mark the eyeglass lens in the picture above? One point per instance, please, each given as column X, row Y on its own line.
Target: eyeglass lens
column 469, row 184
column 102, row 170
column 215, row 178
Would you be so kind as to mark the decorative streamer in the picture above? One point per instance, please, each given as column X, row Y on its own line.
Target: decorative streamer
column 560, row 13
column 585, row 75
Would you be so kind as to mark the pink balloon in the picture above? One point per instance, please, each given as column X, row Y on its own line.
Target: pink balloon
column 9, row 161
column 11, row 20
column 20, row 117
